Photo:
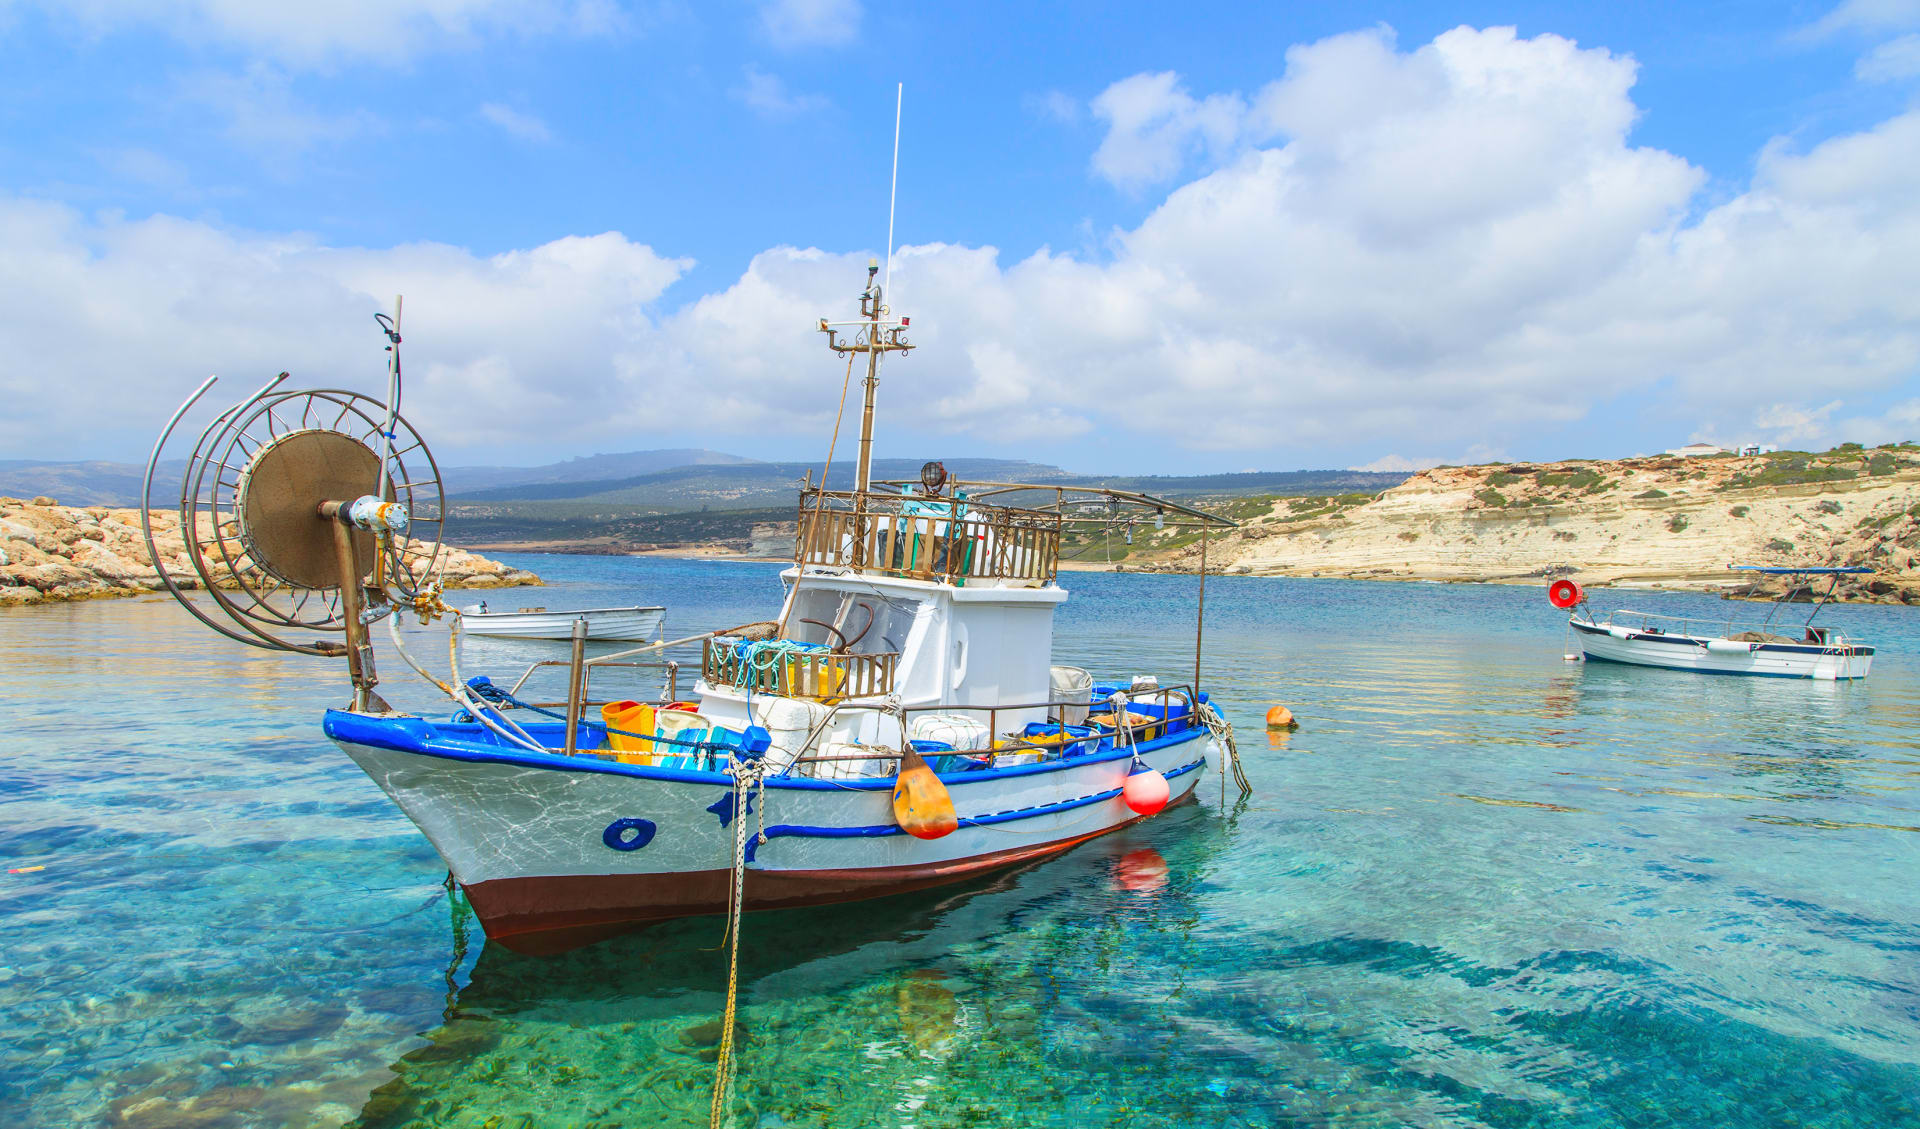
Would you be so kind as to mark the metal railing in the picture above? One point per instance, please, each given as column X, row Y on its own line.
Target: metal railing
column 825, row 676
column 926, row 538
column 1127, row 731
column 1650, row 623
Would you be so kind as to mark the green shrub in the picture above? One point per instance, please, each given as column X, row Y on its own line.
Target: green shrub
column 1678, row 523
column 1882, row 463
column 1778, row 546
column 1502, row 478
column 1827, row 506
column 1408, row 536
column 1654, row 493
column 1849, row 447
column 1575, row 478
column 1740, row 511
column 1491, row 497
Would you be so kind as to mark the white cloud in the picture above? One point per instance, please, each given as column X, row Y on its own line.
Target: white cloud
column 767, row 96
column 1446, row 249
column 1054, row 105
column 315, row 34
column 792, row 24
column 262, row 114
column 526, row 127
column 1891, row 61
column 1154, row 125
column 1868, row 16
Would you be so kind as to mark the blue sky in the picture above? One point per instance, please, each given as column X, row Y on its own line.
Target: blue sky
column 1150, row 238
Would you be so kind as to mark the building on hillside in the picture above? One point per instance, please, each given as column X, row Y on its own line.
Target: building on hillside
column 1695, row 450
column 1755, row 449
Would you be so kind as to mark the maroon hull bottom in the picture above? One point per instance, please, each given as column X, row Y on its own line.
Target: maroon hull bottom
column 542, row 916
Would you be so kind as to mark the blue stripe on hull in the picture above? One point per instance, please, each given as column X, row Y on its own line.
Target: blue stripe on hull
column 783, row 830
column 1591, row 657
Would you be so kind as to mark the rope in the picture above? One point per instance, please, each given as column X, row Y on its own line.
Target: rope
column 748, row 780
column 1222, row 731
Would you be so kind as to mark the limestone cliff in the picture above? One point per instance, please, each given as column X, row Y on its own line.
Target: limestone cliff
column 50, row 552
column 1647, row 521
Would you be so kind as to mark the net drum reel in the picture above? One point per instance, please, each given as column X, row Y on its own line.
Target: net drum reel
column 306, row 516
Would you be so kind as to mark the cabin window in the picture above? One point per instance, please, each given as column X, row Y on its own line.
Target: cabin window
column 862, row 623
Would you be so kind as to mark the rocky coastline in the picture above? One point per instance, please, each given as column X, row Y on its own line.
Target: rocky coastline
column 51, row 553
column 1660, row 522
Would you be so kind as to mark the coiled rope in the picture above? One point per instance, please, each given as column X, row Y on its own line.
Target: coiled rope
column 1222, row 731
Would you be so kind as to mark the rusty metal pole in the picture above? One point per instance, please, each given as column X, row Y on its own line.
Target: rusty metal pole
column 576, row 687
column 1200, row 618
column 359, row 643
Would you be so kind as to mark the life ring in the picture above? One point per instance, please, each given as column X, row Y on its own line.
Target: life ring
column 1564, row 594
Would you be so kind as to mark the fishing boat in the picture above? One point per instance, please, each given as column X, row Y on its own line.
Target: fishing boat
column 898, row 723
column 619, row 624
column 1769, row 647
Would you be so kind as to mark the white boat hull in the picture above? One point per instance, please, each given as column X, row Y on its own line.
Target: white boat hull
column 544, row 844
column 636, row 624
column 1612, row 643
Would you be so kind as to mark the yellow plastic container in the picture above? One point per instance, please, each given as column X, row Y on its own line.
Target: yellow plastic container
column 634, row 717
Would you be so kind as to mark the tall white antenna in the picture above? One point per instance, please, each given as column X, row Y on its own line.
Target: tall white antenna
column 893, row 194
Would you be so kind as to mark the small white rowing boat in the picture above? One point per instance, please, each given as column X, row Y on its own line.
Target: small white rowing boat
column 637, row 623
column 1768, row 648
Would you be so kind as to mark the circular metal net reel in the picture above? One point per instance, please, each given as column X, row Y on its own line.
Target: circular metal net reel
column 249, row 501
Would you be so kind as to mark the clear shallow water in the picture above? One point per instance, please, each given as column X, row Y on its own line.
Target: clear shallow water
column 1479, row 886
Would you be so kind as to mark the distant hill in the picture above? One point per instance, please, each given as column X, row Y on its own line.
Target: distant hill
column 98, row 483
column 89, row 483
column 586, row 468
column 743, row 485
column 673, row 480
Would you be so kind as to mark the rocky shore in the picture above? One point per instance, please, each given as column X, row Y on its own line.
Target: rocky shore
column 1645, row 522
column 50, row 552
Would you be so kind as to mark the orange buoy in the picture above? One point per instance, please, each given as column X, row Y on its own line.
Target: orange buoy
column 922, row 806
column 1146, row 791
column 1280, row 717
column 1564, row 594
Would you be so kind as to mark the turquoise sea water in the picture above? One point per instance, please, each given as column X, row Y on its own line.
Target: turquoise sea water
column 1479, row 886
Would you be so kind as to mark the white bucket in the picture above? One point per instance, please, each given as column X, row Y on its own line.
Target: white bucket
column 1070, row 684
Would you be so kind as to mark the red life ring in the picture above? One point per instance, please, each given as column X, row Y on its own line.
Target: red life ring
column 1564, row 594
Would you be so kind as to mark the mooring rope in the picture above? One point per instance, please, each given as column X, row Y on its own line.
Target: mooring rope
column 1222, row 731
column 748, row 782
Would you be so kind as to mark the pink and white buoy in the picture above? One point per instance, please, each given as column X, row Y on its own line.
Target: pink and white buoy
column 1146, row 791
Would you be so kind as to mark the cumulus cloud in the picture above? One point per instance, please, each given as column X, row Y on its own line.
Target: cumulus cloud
column 792, row 24
column 1444, row 250
column 525, row 126
column 1153, row 125
column 309, row 34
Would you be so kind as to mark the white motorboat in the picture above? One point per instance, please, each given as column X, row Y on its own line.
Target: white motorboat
column 1768, row 647
column 635, row 624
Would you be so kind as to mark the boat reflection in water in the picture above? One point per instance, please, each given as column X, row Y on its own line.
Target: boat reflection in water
column 847, row 1019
